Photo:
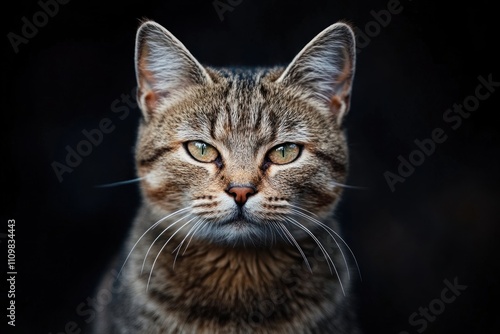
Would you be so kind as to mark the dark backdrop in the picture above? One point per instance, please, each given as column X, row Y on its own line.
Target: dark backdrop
column 440, row 224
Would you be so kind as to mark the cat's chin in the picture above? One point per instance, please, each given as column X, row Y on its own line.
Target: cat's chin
column 238, row 231
column 239, row 223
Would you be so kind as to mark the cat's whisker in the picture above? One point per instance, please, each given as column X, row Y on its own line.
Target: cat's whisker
column 342, row 185
column 157, row 237
column 178, row 248
column 295, row 212
column 302, row 209
column 195, row 225
column 202, row 224
column 119, row 183
column 149, row 229
column 280, row 232
column 274, row 237
column 328, row 229
column 286, row 231
column 163, row 247
column 323, row 250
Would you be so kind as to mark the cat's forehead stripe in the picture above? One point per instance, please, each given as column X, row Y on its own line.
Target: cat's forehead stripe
column 241, row 108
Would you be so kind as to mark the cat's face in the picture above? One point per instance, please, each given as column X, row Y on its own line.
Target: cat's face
column 248, row 155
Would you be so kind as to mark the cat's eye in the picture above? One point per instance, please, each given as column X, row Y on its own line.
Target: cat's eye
column 202, row 151
column 284, row 153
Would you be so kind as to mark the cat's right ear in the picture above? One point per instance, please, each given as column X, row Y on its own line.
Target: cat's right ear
column 164, row 68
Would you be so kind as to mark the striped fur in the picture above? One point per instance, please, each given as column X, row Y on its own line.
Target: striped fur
column 236, row 271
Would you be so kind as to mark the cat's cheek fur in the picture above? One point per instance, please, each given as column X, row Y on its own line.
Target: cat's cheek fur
column 166, row 190
column 307, row 184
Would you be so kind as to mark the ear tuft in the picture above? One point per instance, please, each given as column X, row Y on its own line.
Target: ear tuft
column 324, row 68
column 164, row 67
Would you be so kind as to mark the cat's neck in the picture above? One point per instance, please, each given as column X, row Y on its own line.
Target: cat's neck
column 210, row 266
column 210, row 282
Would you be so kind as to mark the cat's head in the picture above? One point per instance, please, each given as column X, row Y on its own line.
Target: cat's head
column 245, row 154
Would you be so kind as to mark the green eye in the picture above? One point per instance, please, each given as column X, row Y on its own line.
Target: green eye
column 201, row 151
column 284, row 153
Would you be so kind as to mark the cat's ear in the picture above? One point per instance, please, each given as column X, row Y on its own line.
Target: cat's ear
column 324, row 68
column 164, row 67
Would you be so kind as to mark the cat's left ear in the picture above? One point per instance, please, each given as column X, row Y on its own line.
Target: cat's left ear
column 324, row 68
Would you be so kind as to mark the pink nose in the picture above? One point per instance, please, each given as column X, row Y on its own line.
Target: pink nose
column 241, row 194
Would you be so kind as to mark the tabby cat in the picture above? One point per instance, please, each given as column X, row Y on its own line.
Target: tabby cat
column 240, row 171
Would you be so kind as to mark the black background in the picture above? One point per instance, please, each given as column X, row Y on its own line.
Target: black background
column 441, row 223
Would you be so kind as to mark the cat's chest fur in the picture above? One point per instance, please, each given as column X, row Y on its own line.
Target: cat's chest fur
column 229, row 290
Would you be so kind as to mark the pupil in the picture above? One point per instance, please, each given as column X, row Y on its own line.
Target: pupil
column 203, row 149
column 282, row 151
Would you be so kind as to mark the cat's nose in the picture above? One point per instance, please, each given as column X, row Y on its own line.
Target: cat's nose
column 241, row 193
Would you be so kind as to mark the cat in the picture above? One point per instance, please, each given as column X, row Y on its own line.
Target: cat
column 240, row 172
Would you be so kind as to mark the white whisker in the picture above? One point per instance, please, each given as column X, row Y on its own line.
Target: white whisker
column 338, row 246
column 285, row 230
column 328, row 229
column 119, row 183
column 323, row 250
column 178, row 248
column 298, row 207
column 149, row 229
column 161, row 249
column 159, row 235
column 187, row 235
column 321, row 247
column 203, row 224
column 274, row 237
column 341, row 185
column 281, row 233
